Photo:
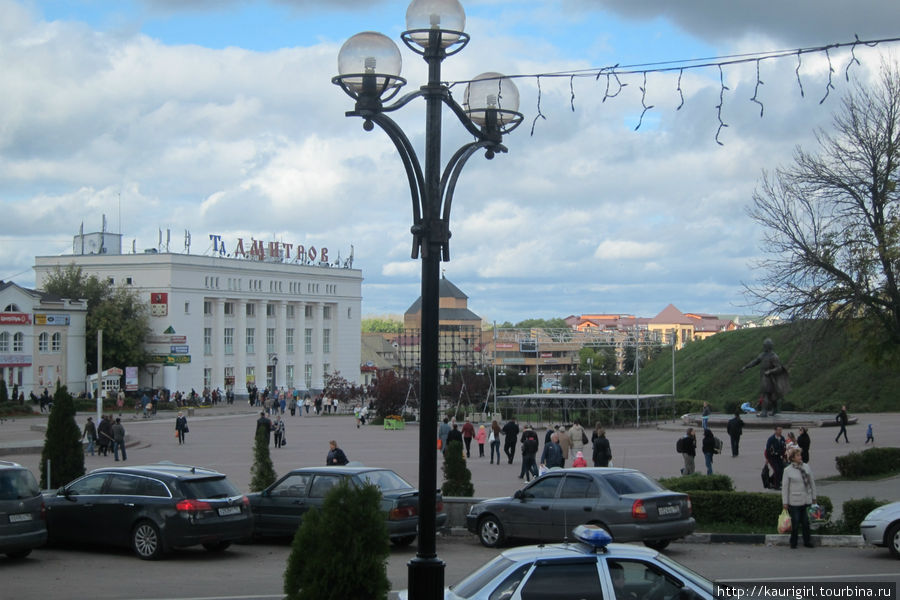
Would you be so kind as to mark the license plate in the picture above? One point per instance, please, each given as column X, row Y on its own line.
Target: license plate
column 20, row 518
column 231, row 510
column 665, row 511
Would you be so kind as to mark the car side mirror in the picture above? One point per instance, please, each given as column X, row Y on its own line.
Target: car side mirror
column 521, row 495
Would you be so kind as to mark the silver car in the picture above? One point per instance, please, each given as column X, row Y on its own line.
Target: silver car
column 881, row 527
column 630, row 506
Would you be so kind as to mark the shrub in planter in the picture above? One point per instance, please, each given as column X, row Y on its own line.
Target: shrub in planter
column 856, row 510
column 874, row 461
column 62, row 445
column 697, row 481
column 751, row 508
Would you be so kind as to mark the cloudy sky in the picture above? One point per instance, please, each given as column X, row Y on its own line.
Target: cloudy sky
column 219, row 117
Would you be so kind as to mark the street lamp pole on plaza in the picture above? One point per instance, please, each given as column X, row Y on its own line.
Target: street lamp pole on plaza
column 274, row 371
column 369, row 72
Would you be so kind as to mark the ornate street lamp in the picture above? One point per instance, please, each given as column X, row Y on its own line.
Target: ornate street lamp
column 369, row 72
column 274, row 370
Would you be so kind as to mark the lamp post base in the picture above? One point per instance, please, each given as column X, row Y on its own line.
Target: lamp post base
column 426, row 578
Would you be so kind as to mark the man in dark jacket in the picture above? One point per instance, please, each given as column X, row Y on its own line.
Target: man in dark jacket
column 511, row 431
column 842, row 420
column 263, row 423
column 336, row 456
column 775, row 447
column 552, row 456
column 735, row 429
column 454, row 435
column 688, row 451
column 529, row 452
column 602, row 452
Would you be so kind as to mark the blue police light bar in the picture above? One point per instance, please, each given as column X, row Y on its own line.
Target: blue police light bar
column 593, row 536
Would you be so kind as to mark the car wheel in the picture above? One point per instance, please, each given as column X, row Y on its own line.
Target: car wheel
column 146, row 541
column 402, row 542
column 658, row 545
column 19, row 553
column 893, row 539
column 490, row 531
column 217, row 546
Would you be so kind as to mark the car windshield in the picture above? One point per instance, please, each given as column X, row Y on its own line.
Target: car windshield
column 632, row 483
column 17, row 484
column 682, row 570
column 210, row 488
column 472, row 584
column 385, row 480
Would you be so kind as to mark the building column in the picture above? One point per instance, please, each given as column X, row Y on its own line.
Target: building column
column 218, row 344
column 300, row 346
column 318, row 378
column 240, row 348
column 280, row 348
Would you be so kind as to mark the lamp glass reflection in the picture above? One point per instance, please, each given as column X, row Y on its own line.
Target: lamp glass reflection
column 369, row 53
column 446, row 15
column 491, row 91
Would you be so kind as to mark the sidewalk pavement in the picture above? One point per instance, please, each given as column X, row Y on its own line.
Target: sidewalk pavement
column 221, row 437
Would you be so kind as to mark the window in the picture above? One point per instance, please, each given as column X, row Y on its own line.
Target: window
column 544, row 488
column 326, row 312
column 251, row 338
column 631, row 577
column 207, row 341
column 229, row 340
column 289, row 341
column 270, row 340
column 579, row 487
column 326, row 341
column 88, row 486
column 251, row 309
column 229, row 309
column 229, row 376
column 18, row 342
column 4, row 341
column 128, row 281
column 566, row 581
column 289, row 375
column 292, row 486
column 270, row 310
column 250, row 375
column 307, row 340
column 322, row 484
column 43, row 342
column 207, row 308
column 307, row 375
column 56, row 342
column 308, row 311
column 187, row 308
column 123, row 485
column 207, row 377
column 326, row 367
column 290, row 311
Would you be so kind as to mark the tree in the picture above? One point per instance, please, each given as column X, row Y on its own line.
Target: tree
column 62, row 444
column 381, row 325
column 338, row 387
column 351, row 548
column 262, row 471
column 832, row 221
column 457, row 477
column 390, row 393
column 118, row 311
column 4, row 393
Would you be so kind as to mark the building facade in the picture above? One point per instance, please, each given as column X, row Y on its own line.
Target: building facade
column 229, row 321
column 41, row 340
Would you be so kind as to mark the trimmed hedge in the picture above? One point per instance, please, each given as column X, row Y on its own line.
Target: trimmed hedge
column 856, row 510
column 874, row 461
column 758, row 509
column 697, row 481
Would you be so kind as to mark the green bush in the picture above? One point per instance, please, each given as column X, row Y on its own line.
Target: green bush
column 697, row 481
column 751, row 508
column 262, row 471
column 341, row 551
column 874, row 461
column 457, row 477
column 856, row 510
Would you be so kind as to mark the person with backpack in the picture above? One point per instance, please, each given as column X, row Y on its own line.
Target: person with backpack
column 708, row 447
column 687, row 447
column 529, row 453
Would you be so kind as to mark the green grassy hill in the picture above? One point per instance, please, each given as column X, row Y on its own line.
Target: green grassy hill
column 825, row 371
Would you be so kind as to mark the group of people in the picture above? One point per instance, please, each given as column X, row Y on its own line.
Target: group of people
column 276, row 429
column 788, row 458
column 106, row 437
column 560, row 442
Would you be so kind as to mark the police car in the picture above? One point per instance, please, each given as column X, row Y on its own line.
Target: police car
column 591, row 569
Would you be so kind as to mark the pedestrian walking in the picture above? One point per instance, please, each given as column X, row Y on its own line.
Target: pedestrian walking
column 708, row 446
column 468, row 432
column 775, row 449
column 552, row 455
column 481, row 438
column 278, row 429
column 265, row 425
column 90, row 432
column 530, row 445
column 494, row 440
column 705, row 416
column 803, row 442
column 118, row 433
column 842, row 420
column 511, row 437
column 870, row 435
column 336, row 456
column 602, row 453
column 181, row 427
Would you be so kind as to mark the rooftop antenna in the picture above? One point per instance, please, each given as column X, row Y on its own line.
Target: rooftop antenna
column 187, row 241
column 168, row 238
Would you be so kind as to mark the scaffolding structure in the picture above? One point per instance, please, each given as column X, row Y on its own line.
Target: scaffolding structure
column 610, row 410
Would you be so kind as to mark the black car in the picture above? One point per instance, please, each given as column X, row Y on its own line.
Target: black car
column 630, row 506
column 22, row 526
column 150, row 508
column 278, row 510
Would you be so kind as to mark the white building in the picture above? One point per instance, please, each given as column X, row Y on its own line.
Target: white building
column 235, row 318
column 41, row 340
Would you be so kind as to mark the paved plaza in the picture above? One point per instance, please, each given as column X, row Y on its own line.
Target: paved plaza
column 222, row 438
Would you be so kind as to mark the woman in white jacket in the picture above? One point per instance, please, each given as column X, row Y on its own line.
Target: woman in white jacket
column 798, row 491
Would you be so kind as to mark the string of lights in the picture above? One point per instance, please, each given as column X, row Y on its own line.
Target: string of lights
column 615, row 74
